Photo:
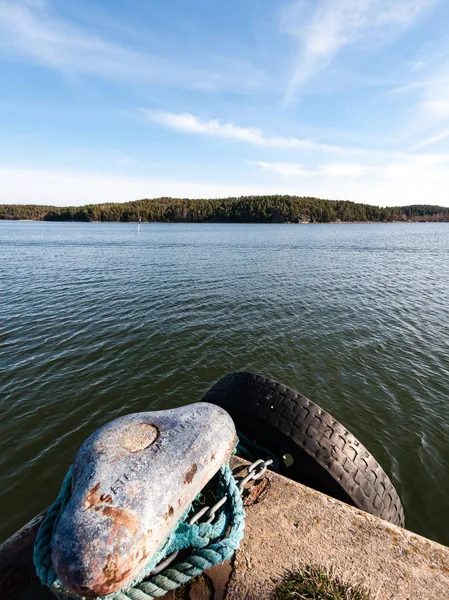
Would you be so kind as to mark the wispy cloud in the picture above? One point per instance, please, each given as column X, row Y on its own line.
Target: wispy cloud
column 431, row 114
column 323, row 28
column 189, row 123
column 424, row 84
column 30, row 29
column 335, row 169
column 432, row 139
column 356, row 162
column 284, row 169
column 427, row 98
column 435, row 100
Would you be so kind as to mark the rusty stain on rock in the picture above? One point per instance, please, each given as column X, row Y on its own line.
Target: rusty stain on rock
column 92, row 497
column 190, row 474
column 169, row 513
column 110, row 570
column 123, row 517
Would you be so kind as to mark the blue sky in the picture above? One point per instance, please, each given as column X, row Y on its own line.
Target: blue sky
column 105, row 100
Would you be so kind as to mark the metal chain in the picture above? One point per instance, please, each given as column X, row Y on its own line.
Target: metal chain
column 254, row 473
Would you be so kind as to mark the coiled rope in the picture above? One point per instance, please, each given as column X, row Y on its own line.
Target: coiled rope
column 211, row 545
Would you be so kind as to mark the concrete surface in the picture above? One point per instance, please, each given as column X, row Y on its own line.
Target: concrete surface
column 294, row 525
column 287, row 525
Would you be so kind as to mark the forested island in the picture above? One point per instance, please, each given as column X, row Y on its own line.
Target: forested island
column 245, row 209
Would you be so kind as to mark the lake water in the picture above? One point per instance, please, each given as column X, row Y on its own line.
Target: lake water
column 97, row 321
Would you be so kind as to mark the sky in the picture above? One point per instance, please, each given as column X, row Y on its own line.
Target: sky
column 105, row 100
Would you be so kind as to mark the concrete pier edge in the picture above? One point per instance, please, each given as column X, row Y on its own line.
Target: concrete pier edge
column 287, row 526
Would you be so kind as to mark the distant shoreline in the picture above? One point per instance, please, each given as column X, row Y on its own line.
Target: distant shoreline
column 302, row 210
column 401, row 222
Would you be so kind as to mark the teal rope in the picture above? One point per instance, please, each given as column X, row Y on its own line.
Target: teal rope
column 42, row 544
column 212, row 544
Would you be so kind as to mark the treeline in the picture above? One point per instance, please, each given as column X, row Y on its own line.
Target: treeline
column 426, row 212
column 246, row 209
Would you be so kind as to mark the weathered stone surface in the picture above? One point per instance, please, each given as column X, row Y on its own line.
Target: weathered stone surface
column 132, row 481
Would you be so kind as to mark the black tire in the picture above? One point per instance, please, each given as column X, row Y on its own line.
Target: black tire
column 327, row 457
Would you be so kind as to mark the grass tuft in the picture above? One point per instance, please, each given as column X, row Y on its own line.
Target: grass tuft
column 316, row 583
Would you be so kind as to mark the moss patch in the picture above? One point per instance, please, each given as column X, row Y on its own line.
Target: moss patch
column 315, row 583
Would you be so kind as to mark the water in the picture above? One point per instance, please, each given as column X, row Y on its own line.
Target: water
column 97, row 321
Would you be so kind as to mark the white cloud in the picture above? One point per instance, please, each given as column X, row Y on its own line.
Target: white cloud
column 334, row 169
column 188, row 123
column 394, row 179
column 75, row 188
column 284, row 169
column 31, row 30
column 332, row 25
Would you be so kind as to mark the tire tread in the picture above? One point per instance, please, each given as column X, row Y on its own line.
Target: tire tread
column 318, row 434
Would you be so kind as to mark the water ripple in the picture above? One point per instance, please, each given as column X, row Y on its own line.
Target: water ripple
column 97, row 321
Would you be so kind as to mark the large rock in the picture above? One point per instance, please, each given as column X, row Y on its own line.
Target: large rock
column 132, row 481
